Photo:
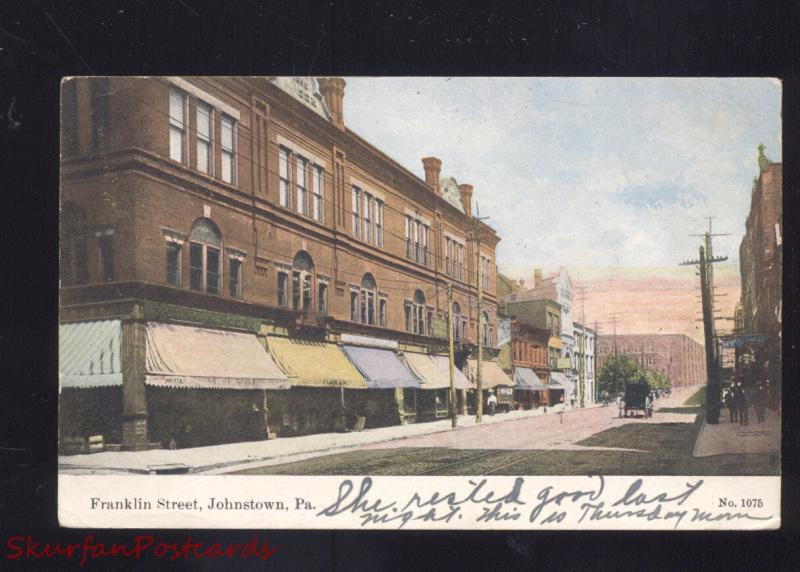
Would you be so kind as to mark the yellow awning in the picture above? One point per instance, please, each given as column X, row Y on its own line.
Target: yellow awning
column 431, row 375
column 314, row 364
column 491, row 374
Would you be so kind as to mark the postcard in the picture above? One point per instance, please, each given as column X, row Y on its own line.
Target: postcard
column 420, row 303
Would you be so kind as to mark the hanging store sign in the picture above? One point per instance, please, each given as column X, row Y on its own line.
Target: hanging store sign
column 739, row 341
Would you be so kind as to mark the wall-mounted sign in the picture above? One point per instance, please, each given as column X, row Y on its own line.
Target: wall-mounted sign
column 564, row 363
column 440, row 328
column 503, row 332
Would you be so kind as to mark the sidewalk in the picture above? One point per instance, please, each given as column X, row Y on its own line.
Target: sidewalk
column 214, row 458
column 726, row 438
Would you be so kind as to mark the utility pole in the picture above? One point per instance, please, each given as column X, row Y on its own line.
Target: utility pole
column 616, row 360
column 713, row 393
column 479, row 264
column 453, row 413
column 594, row 364
column 709, row 251
column 582, row 349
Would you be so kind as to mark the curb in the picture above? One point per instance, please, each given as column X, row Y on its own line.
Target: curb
column 244, row 462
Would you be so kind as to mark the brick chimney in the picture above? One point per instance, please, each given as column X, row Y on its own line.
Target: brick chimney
column 466, row 198
column 332, row 89
column 433, row 169
column 537, row 277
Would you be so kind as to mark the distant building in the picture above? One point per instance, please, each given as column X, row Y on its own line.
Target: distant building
column 761, row 266
column 677, row 356
column 529, row 306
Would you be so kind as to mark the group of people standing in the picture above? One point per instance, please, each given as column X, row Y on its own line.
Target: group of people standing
column 738, row 400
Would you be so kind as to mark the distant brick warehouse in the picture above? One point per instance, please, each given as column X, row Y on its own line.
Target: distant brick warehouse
column 677, row 356
column 247, row 205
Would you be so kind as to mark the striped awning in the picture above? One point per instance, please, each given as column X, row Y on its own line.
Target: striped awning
column 559, row 381
column 204, row 358
column 461, row 381
column 88, row 354
column 491, row 374
column 431, row 374
column 314, row 364
column 526, row 378
column 381, row 368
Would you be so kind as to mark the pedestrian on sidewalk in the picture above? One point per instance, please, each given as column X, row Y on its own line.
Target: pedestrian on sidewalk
column 744, row 406
column 759, row 402
column 491, row 403
column 729, row 403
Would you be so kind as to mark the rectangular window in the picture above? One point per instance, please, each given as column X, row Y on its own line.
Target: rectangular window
column 302, row 185
column 212, row 270
column 235, row 271
column 228, row 148
column 283, row 289
column 409, row 400
column 204, row 158
column 196, row 266
column 379, row 223
column 318, row 193
column 424, row 244
column 368, row 218
column 408, row 320
column 430, row 321
column 353, row 305
column 106, row 252
column 174, row 264
column 177, row 126
column 322, row 295
column 285, row 191
column 409, row 228
column 485, row 272
column 382, row 312
column 356, row 206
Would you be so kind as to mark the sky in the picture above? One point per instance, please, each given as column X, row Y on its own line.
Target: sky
column 608, row 177
column 579, row 171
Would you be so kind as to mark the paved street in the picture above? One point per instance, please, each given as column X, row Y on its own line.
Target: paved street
column 592, row 440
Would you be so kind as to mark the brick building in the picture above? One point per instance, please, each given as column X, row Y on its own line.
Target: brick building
column 246, row 206
column 677, row 356
column 761, row 266
column 527, row 356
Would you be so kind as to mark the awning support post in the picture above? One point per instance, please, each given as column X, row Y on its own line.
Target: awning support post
column 134, row 397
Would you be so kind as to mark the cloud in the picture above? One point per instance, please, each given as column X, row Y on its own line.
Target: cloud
column 584, row 172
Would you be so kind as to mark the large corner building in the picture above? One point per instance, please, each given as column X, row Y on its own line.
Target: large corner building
column 237, row 263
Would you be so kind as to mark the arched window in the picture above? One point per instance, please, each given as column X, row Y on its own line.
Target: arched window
column 205, row 262
column 73, row 265
column 369, row 294
column 302, row 281
column 415, row 313
column 456, row 322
